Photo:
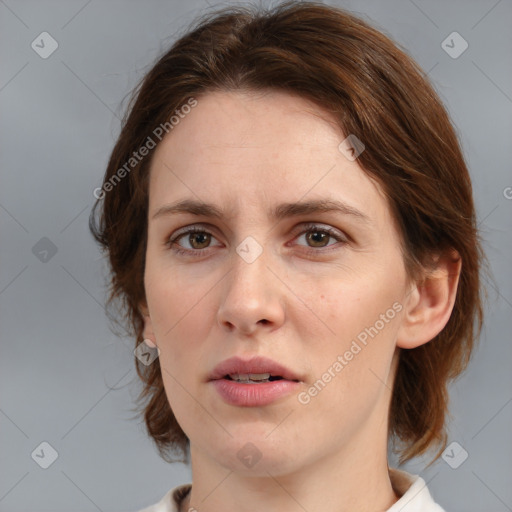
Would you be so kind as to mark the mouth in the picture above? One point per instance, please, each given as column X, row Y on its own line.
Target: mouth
column 253, row 378
column 254, row 389
column 257, row 370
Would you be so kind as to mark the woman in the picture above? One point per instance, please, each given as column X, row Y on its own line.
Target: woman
column 290, row 226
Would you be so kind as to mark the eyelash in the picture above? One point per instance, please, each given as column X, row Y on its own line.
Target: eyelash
column 171, row 244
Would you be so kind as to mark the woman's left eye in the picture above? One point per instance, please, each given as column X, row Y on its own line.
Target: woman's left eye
column 319, row 235
column 314, row 234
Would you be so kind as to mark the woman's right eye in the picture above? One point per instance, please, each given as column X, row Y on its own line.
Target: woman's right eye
column 193, row 236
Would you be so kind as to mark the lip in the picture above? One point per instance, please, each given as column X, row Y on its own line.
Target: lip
column 253, row 395
column 256, row 364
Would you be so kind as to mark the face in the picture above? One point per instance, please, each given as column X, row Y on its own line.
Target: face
column 320, row 292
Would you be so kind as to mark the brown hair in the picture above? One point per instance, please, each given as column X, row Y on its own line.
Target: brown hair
column 375, row 91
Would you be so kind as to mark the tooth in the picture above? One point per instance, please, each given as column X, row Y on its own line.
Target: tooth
column 259, row 376
column 249, row 376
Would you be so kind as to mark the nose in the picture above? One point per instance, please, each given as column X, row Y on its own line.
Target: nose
column 252, row 298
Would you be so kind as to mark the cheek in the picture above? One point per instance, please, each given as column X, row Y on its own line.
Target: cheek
column 350, row 368
column 176, row 307
column 174, row 297
column 347, row 308
column 361, row 320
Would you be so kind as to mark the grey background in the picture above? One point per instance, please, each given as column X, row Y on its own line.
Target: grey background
column 65, row 378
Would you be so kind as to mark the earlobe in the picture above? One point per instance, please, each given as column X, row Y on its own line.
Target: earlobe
column 148, row 333
column 430, row 303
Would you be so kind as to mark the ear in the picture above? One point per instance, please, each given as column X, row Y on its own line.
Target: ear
column 148, row 333
column 430, row 303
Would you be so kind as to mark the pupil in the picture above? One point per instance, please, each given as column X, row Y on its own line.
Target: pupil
column 321, row 235
column 195, row 236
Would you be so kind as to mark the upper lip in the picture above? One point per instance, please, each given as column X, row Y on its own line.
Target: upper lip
column 254, row 365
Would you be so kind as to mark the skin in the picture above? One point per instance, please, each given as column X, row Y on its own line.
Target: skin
column 247, row 152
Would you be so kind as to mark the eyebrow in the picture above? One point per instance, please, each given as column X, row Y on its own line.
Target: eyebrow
column 279, row 212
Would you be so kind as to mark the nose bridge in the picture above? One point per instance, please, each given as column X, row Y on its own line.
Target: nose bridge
column 250, row 271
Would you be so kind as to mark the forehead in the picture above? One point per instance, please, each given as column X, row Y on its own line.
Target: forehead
column 258, row 149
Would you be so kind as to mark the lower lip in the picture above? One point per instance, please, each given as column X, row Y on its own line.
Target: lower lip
column 253, row 395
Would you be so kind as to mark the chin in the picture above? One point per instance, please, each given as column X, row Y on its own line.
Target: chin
column 255, row 453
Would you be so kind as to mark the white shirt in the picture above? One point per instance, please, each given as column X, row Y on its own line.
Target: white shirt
column 415, row 496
